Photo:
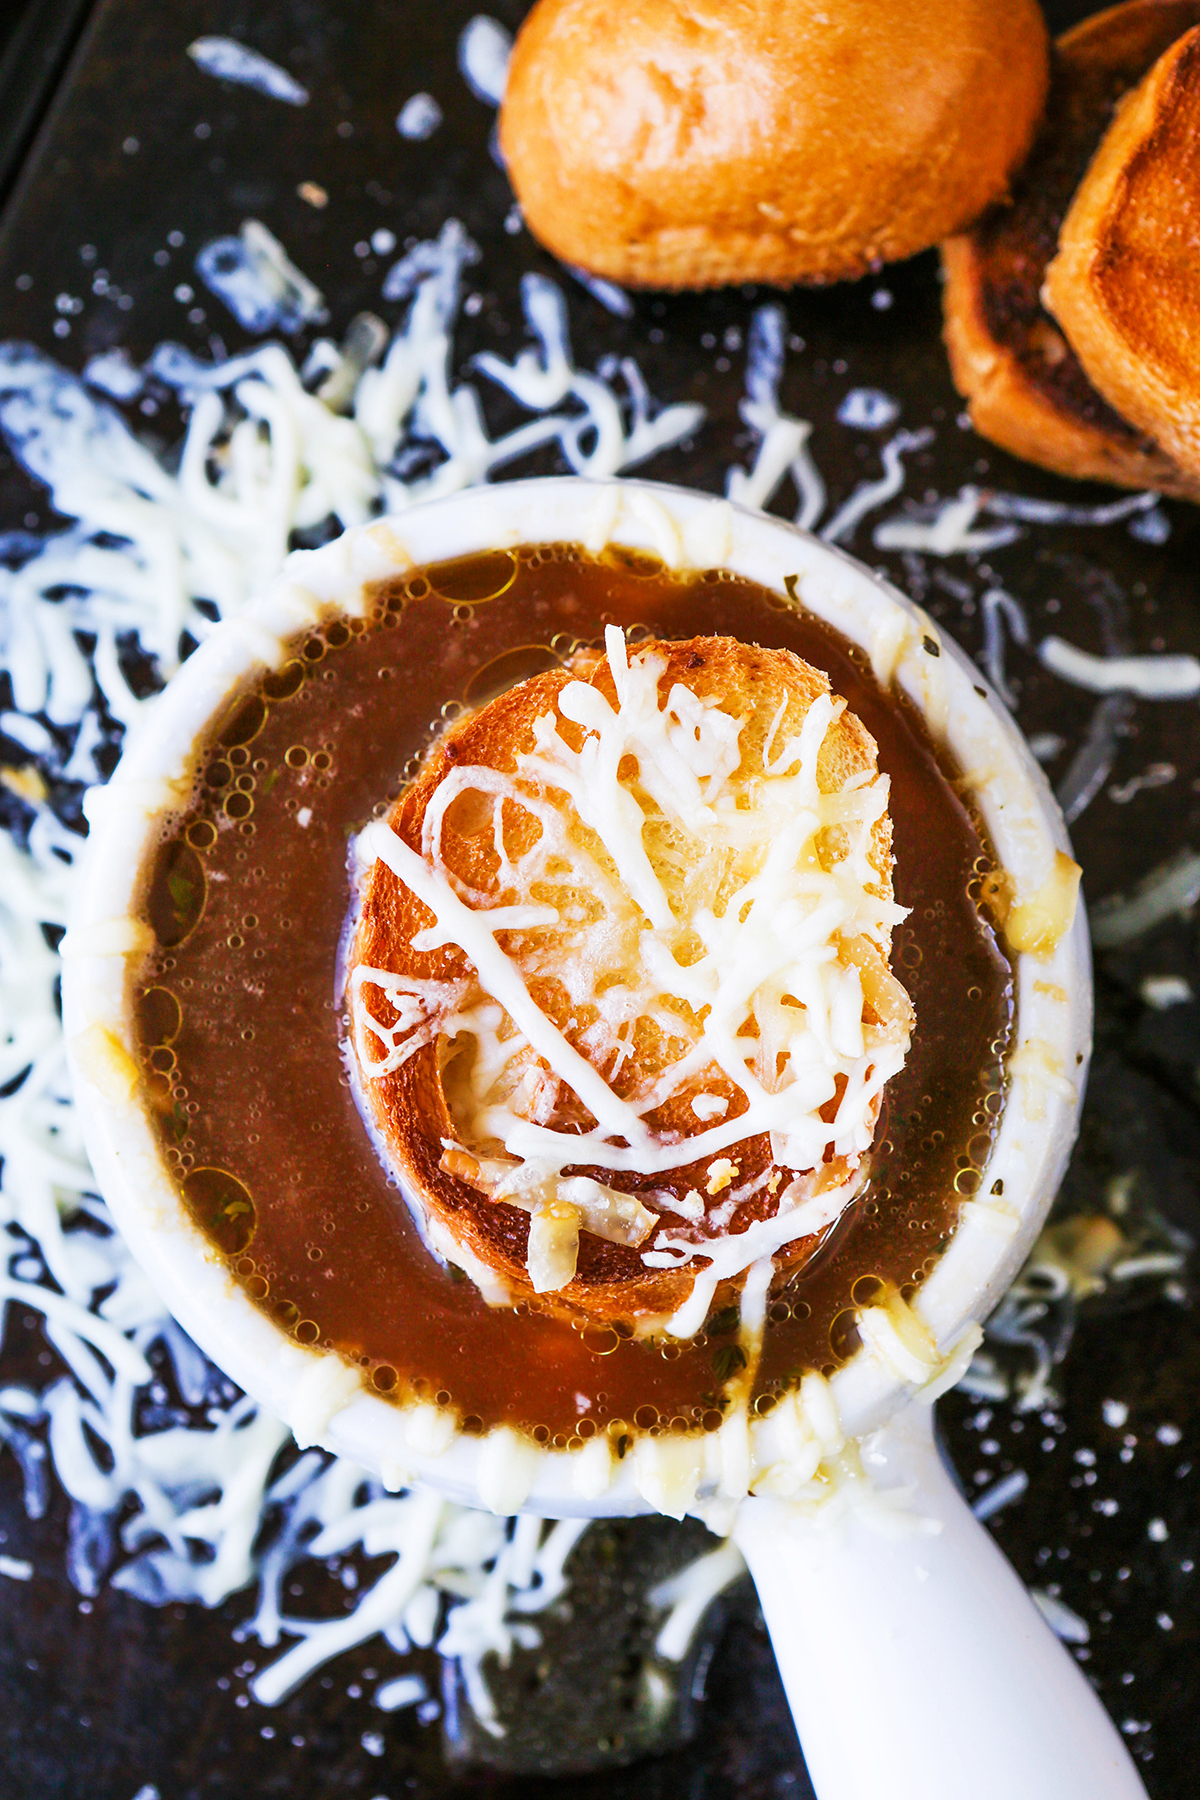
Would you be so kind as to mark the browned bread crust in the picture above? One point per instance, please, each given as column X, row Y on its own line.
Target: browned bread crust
column 665, row 144
column 411, row 1105
column 1124, row 283
column 1025, row 387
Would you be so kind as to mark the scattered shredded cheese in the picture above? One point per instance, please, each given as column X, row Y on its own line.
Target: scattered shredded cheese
column 254, row 276
column 871, row 494
column 949, row 531
column 483, row 52
column 231, row 61
column 1065, row 1624
column 169, row 1501
column 1001, row 612
column 1171, row 888
column 783, row 441
column 688, row 1596
column 419, row 117
column 1001, row 1494
column 1149, row 677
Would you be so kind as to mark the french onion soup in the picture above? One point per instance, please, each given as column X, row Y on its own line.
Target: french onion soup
column 575, row 993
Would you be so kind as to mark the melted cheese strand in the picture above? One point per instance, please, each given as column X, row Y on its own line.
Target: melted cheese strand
column 475, row 934
column 420, row 1006
column 733, row 1256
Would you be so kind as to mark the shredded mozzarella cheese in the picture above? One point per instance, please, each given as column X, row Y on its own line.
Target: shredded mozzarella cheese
column 949, row 532
column 1149, row 677
column 231, row 61
column 783, row 440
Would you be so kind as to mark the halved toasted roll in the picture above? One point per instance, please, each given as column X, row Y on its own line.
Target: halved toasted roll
column 1025, row 387
column 1123, row 285
column 668, row 145
column 573, row 973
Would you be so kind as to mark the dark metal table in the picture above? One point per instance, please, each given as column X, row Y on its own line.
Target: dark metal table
column 139, row 160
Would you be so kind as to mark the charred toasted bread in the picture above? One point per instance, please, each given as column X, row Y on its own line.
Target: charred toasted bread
column 551, row 989
column 1123, row 285
column 662, row 144
column 1025, row 387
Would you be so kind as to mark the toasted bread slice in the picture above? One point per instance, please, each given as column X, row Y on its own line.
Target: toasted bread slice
column 504, row 833
column 1025, row 387
column 1123, row 285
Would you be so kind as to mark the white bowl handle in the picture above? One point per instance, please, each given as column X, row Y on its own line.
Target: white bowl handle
column 916, row 1665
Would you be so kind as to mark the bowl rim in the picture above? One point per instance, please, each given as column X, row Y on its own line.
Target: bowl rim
column 318, row 1393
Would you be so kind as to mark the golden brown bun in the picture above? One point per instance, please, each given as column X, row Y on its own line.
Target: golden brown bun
column 664, row 144
column 410, row 1105
column 1124, row 283
column 1024, row 385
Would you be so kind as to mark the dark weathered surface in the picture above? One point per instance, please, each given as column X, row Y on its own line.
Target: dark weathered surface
column 96, row 1701
column 592, row 1695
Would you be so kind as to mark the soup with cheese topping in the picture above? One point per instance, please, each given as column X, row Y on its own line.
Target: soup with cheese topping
column 245, row 1031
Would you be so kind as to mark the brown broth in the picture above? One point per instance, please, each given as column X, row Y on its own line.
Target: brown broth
column 242, row 1036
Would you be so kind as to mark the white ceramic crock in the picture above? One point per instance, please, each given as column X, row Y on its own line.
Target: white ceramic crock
column 1047, row 1722
column 1054, row 1004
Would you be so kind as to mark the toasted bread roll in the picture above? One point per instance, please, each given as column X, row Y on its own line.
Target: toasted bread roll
column 583, row 947
column 1123, row 285
column 666, row 145
column 1025, row 387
